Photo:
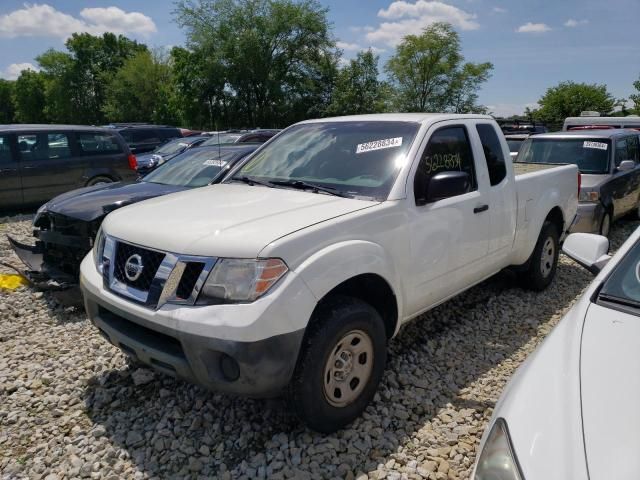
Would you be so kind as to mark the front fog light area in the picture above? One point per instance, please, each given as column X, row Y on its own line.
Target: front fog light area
column 497, row 460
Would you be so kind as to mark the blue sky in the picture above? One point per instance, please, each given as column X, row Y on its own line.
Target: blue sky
column 533, row 44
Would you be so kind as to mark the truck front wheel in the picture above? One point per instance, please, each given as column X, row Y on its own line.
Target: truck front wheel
column 544, row 259
column 340, row 365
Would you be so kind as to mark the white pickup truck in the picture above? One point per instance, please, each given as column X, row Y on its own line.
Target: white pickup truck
column 293, row 274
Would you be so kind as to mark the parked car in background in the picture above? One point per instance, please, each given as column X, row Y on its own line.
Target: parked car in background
column 601, row 123
column 515, row 141
column 294, row 272
column 251, row 136
column 610, row 173
column 149, row 161
column 570, row 410
column 142, row 137
column 66, row 226
column 38, row 162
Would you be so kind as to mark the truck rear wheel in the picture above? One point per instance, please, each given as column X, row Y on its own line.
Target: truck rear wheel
column 340, row 365
column 544, row 259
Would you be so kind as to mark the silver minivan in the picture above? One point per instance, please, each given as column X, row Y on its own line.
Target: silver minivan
column 608, row 161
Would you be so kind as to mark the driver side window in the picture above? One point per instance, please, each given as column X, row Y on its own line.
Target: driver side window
column 448, row 150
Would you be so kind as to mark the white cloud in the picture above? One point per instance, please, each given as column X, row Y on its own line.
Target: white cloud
column 571, row 23
column 412, row 18
column 13, row 71
column 499, row 10
column 533, row 28
column 45, row 21
column 348, row 46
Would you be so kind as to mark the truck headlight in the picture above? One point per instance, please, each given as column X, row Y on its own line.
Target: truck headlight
column 497, row 460
column 98, row 249
column 589, row 196
column 240, row 280
column 39, row 212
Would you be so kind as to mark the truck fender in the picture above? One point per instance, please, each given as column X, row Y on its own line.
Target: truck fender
column 339, row 262
column 536, row 211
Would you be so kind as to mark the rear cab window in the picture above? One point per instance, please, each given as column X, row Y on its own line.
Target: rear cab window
column 448, row 150
column 493, row 153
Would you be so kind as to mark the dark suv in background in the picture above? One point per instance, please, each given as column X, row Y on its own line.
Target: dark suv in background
column 38, row 162
column 143, row 138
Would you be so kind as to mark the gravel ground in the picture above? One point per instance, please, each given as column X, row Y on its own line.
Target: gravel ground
column 70, row 407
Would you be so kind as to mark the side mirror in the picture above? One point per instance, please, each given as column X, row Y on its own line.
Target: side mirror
column 448, row 184
column 626, row 165
column 588, row 250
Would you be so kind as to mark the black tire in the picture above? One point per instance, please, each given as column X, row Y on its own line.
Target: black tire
column 539, row 275
column 334, row 320
column 605, row 224
column 98, row 180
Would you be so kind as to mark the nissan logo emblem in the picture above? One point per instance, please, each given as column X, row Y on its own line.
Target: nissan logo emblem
column 133, row 267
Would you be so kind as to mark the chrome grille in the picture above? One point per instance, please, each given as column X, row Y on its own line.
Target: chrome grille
column 165, row 277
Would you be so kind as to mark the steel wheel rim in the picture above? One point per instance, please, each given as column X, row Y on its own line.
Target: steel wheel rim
column 606, row 226
column 348, row 368
column 547, row 257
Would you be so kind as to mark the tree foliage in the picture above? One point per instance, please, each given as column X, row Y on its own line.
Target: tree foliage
column 29, row 98
column 568, row 99
column 635, row 98
column 429, row 73
column 269, row 54
column 358, row 88
column 7, row 109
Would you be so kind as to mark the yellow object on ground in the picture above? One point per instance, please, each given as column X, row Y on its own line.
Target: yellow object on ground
column 11, row 282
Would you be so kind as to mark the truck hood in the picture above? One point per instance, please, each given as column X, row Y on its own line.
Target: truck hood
column 89, row 203
column 610, row 390
column 227, row 220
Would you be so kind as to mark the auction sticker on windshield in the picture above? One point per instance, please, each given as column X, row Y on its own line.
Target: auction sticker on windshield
column 214, row 163
column 598, row 145
column 379, row 145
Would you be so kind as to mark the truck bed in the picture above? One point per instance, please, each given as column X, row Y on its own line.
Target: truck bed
column 521, row 168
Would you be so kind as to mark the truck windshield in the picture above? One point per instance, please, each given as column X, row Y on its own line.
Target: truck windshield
column 222, row 138
column 194, row 168
column 357, row 158
column 590, row 155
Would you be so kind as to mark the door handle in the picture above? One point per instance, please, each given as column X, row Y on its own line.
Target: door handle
column 481, row 208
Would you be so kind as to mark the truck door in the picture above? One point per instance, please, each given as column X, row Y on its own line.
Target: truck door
column 502, row 192
column 10, row 181
column 624, row 183
column 449, row 236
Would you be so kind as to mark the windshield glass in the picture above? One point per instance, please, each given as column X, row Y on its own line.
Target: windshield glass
column 590, row 155
column 623, row 285
column 514, row 145
column 171, row 147
column 355, row 158
column 194, row 168
column 222, row 138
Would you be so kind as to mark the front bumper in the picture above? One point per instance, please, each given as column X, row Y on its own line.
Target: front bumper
column 39, row 271
column 203, row 344
column 588, row 218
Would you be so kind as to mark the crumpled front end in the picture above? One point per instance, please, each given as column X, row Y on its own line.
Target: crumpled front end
column 62, row 242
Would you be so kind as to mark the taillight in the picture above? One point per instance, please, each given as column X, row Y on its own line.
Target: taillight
column 133, row 163
column 579, row 183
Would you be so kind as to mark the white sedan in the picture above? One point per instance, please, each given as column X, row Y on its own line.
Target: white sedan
column 572, row 410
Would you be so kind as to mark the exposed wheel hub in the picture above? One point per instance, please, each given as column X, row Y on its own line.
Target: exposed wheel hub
column 348, row 368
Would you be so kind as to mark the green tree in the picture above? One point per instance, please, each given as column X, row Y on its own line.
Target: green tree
column 7, row 110
column 270, row 51
column 140, row 90
column 568, row 99
column 358, row 89
column 29, row 98
column 76, row 81
column 635, row 98
column 429, row 73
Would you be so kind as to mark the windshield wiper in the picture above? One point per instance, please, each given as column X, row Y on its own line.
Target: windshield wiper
column 253, row 181
column 310, row 186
